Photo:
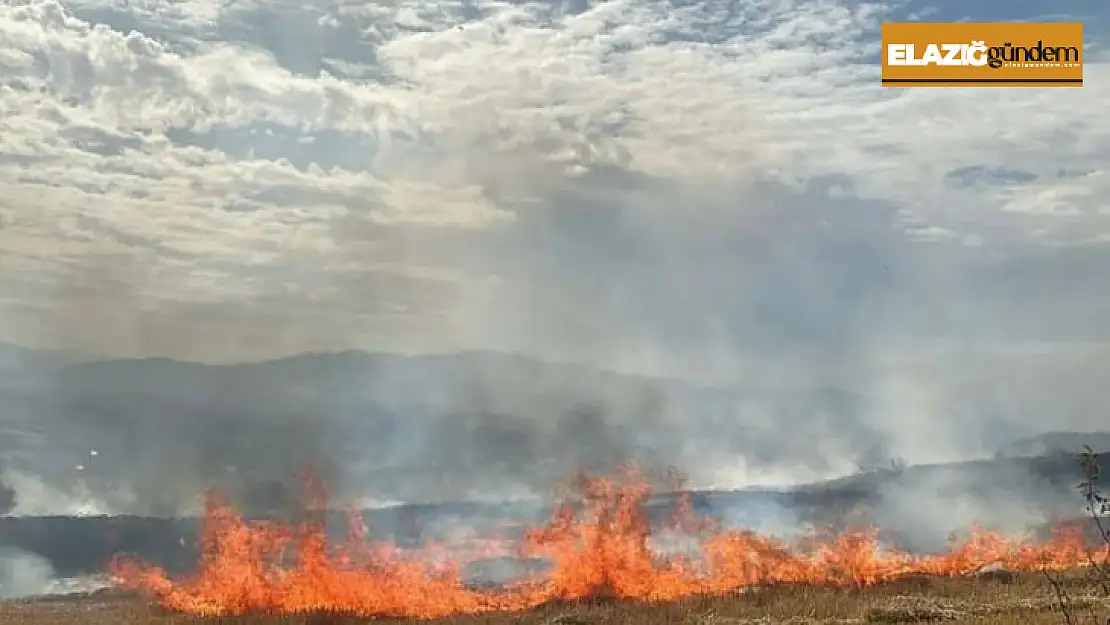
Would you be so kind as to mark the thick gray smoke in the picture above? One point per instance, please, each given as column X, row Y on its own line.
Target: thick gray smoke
column 26, row 574
column 787, row 295
column 23, row 574
column 834, row 384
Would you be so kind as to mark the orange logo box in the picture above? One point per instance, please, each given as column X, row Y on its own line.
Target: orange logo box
column 985, row 54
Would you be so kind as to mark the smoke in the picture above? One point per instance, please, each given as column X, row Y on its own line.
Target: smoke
column 484, row 425
column 23, row 574
column 797, row 328
column 759, row 513
column 32, row 496
column 926, row 521
column 788, row 344
column 26, row 574
column 7, row 494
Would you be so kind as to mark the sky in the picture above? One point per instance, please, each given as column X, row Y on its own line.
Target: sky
column 705, row 189
column 710, row 190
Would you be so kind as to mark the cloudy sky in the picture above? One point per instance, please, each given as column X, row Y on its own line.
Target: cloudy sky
column 679, row 186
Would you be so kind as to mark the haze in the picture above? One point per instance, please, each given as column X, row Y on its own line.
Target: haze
column 713, row 195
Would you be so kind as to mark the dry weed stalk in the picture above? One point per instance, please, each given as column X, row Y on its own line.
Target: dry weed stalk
column 1097, row 505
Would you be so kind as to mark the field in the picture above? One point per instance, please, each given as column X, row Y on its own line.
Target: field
column 1004, row 599
column 598, row 546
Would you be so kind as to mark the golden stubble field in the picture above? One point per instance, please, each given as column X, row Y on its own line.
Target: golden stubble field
column 999, row 599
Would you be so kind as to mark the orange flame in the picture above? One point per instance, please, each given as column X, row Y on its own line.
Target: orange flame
column 597, row 545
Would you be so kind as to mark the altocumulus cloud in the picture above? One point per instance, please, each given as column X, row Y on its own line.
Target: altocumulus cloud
column 708, row 189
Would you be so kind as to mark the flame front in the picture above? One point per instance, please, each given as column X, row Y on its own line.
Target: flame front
column 597, row 544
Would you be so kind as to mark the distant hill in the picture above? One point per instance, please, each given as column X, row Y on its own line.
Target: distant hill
column 1056, row 443
column 417, row 428
column 144, row 436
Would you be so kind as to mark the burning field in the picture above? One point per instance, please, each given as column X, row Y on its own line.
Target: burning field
column 616, row 549
column 600, row 558
column 1023, row 599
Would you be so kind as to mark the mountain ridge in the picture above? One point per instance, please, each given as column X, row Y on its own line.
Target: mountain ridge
column 429, row 427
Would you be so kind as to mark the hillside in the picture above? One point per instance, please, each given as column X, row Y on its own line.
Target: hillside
column 144, row 437
column 1056, row 443
column 425, row 428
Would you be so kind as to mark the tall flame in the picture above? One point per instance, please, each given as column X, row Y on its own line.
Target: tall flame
column 597, row 544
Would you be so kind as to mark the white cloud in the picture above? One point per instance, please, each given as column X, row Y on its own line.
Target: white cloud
column 257, row 152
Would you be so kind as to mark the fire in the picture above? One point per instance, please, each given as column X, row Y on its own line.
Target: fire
column 597, row 544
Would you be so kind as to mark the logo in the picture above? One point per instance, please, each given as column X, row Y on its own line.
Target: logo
column 994, row 54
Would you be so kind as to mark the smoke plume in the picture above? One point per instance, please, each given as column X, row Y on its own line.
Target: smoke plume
column 348, row 239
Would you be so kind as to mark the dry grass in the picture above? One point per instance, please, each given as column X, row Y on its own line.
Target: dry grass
column 1021, row 600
